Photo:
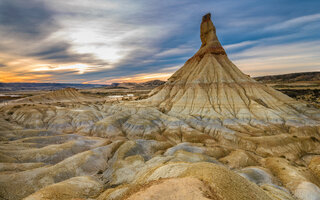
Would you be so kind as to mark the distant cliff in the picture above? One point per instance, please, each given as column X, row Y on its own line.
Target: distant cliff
column 5, row 87
column 289, row 78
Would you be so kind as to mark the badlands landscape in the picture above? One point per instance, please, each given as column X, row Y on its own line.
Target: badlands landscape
column 210, row 132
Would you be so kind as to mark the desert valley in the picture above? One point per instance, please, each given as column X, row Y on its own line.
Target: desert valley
column 209, row 132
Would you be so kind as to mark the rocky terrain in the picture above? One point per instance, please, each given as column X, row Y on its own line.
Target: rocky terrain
column 5, row 87
column 306, row 77
column 122, row 90
column 145, row 85
column 12, row 91
column 304, row 86
column 209, row 132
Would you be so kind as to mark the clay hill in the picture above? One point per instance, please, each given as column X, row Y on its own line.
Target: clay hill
column 62, row 95
column 209, row 132
column 129, row 85
column 11, row 87
column 303, row 86
column 290, row 78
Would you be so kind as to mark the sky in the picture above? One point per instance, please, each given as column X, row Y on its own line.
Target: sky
column 106, row 41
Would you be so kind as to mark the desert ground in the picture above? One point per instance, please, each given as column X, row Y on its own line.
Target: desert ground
column 209, row 132
column 304, row 87
column 300, row 86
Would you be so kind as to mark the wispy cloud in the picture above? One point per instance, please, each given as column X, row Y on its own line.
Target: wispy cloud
column 171, row 69
column 181, row 50
column 295, row 22
column 239, row 45
column 275, row 59
column 140, row 78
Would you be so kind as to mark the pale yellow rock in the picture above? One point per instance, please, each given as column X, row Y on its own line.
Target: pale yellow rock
column 82, row 187
column 299, row 180
column 62, row 95
column 276, row 193
column 16, row 167
column 240, row 159
column 219, row 177
column 314, row 166
column 113, row 193
column 175, row 189
column 22, row 184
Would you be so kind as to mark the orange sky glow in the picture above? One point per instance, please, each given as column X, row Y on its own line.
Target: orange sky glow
column 139, row 78
column 8, row 77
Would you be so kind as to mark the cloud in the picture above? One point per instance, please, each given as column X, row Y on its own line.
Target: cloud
column 239, row 45
column 275, row 59
column 30, row 31
column 61, row 52
column 175, row 51
column 171, row 69
column 140, row 78
column 15, row 77
column 29, row 19
column 295, row 22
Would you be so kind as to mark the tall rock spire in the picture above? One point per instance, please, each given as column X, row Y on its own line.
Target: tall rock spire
column 209, row 85
column 208, row 36
column 208, row 32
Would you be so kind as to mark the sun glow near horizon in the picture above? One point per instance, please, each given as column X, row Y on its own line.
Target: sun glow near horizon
column 138, row 78
column 78, row 67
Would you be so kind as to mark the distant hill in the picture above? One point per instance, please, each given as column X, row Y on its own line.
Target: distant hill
column 303, row 86
column 283, row 78
column 290, row 78
column 142, row 86
column 154, row 83
column 6, row 87
column 62, row 95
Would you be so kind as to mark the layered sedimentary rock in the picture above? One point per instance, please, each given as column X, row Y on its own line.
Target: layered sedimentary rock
column 209, row 85
column 210, row 132
column 64, row 95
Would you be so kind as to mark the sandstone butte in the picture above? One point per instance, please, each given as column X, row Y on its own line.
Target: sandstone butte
column 210, row 132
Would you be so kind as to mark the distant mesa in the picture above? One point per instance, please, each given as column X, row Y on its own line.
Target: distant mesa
column 5, row 87
column 290, row 78
column 131, row 85
column 114, row 84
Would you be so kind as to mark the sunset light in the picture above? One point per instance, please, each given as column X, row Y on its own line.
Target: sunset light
column 160, row 100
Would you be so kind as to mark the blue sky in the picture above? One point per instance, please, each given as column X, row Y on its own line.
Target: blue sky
column 104, row 41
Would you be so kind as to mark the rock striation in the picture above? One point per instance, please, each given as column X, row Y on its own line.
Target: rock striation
column 209, row 132
column 62, row 95
column 209, row 85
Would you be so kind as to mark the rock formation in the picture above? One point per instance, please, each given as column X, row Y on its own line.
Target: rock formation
column 63, row 95
column 209, row 85
column 210, row 132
